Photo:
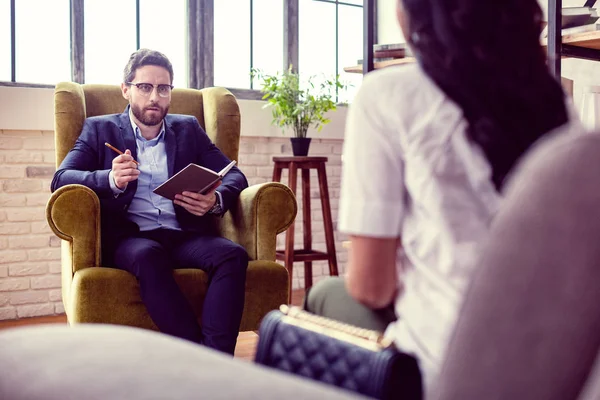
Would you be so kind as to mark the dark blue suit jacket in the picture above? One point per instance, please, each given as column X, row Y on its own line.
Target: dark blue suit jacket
column 90, row 161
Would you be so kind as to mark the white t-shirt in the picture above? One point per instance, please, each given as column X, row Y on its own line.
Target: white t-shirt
column 409, row 171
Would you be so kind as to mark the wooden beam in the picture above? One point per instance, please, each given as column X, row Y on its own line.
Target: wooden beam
column 291, row 54
column 77, row 42
column 201, row 43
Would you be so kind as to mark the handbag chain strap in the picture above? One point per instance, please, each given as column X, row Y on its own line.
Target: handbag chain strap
column 373, row 340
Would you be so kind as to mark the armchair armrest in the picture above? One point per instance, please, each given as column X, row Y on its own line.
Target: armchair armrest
column 262, row 212
column 73, row 214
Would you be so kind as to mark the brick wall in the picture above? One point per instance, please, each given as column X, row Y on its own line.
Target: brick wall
column 30, row 253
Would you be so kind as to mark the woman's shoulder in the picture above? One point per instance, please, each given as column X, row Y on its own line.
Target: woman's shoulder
column 403, row 88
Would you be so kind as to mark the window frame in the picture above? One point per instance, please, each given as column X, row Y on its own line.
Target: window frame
column 200, row 27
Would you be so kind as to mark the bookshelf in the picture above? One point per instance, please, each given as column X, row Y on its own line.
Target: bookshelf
column 584, row 45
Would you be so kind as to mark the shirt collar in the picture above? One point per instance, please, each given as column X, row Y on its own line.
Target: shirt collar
column 137, row 133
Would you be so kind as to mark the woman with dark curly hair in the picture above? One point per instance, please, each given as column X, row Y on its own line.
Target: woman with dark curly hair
column 427, row 149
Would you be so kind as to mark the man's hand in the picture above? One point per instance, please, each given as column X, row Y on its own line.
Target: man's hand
column 196, row 203
column 124, row 170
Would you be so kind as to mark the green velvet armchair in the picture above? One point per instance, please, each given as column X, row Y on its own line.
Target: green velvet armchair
column 96, row 293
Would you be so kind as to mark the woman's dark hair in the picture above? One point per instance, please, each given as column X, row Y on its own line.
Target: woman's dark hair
column 144, row 57
column 486, row 56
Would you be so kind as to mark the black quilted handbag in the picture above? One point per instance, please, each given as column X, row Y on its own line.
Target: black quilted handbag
column 338, row 354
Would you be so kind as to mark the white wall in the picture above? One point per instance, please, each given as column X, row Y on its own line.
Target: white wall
column 388, row 30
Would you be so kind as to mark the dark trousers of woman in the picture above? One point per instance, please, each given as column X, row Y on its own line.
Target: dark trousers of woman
column 151, row 256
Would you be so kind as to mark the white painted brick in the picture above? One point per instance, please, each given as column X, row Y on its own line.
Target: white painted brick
column 15, row 228
column 38, row 143
column 4, row 299
column 44, row 254
column 249, row 171
column 28, row 241
column 35, row 310
column 14, row 284
column 12, row 200
column 257, row 180
column 28, row 297
column 38, row 199
column 59, row 308
column 27, row 214
column 55, row 295
column 27, row 269
column 12, row 256
column 265, row 172
column 54, row 241
column 54, row 267
column 21, row 186
column 3, row 271
column 40, row 227
column 46, row 282
column 3, row 242
column 49, row 157
column 10, row 143
column 7, row 313
column 253, row 159
column 246, row 147
column 12, row 172
column 25, row 158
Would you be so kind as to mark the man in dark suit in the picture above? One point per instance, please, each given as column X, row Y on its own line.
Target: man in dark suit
column 149, row 235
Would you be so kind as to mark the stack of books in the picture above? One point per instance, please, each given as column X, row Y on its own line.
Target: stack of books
column 386, row 52
column 577, row 20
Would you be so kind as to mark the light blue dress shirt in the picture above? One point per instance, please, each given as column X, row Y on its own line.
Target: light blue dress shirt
column 147, row 209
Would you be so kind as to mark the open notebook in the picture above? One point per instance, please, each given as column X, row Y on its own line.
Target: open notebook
column 193, row 178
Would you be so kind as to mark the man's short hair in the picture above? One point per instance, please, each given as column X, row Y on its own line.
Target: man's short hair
column 144, row 57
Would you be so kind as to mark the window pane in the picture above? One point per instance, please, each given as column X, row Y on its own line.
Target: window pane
column 109, row 28
column 5, row 40
column 163, row 27
column 316, row 39
column 232, row 43
column 267, row 37
column 357, row 2
column 350, row 34
column 43, row 44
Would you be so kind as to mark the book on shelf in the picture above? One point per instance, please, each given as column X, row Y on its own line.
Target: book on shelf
column 193, row 178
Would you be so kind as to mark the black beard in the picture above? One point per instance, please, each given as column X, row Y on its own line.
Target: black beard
column 149, row 120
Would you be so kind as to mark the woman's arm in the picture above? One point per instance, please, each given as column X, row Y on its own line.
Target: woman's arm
column 375, row 286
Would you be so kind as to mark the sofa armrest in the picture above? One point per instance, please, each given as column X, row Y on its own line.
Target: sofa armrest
column 73, row 214
column 262, row 212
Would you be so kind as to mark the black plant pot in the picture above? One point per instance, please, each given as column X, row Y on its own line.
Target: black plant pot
column 300, row 146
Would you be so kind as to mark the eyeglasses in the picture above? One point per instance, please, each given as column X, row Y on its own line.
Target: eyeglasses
column 147, row 88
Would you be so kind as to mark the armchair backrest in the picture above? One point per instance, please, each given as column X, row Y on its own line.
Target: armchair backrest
column 215, row 108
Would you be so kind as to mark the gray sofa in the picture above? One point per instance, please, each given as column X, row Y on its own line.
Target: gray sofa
column 116, row 362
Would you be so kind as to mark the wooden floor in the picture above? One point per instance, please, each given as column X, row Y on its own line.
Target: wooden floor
column 245, row 348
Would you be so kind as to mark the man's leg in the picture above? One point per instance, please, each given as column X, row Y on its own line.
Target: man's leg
column 329, row 298
column 225, row 263
column 149, row 261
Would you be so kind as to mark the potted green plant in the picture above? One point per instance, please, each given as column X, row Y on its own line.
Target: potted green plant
column 299, row 106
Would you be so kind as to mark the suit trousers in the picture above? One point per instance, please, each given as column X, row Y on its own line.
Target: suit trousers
column 151, row 256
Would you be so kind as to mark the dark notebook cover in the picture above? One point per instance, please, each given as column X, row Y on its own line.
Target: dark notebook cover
column 193, row 178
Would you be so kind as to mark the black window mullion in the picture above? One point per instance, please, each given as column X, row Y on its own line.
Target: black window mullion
column 251, row 42
column 337, row 46
column 77, row 41
column 13, row 43
column 137, row 24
